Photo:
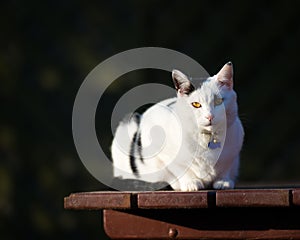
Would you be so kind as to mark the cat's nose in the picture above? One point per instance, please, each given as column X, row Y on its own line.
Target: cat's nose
column 210, row 117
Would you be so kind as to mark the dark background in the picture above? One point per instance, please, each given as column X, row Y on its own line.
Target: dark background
column 49, row 47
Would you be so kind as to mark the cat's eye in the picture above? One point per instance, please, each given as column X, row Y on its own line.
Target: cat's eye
column 196, row 104
column 218, row 101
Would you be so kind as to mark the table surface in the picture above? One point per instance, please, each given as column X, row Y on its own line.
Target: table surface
column 261, row 213
column 282, row 197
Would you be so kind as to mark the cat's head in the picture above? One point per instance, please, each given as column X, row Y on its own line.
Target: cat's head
column 213, row 102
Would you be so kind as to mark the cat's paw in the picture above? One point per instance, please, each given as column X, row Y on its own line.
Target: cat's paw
column 223, row 184
column 192, row 185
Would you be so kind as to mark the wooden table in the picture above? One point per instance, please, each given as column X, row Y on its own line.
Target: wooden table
column 209, row 214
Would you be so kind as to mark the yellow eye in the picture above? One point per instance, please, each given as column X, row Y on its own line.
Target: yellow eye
column 196, row 104
column 218, row 101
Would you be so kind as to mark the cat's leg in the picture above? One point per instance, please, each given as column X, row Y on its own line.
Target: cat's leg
column 227, row 179
column 192, row 185
column 223, row 184
column 175, row 185
column 188, row 183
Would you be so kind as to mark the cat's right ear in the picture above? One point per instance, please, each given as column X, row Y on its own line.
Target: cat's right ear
column 182, row 84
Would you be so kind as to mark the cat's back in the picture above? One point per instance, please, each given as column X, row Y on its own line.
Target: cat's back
column 159, row 114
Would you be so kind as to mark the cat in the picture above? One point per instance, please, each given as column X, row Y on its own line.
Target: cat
column 192, row 141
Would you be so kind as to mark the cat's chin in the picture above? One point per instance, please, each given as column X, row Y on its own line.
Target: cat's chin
column 206, row 129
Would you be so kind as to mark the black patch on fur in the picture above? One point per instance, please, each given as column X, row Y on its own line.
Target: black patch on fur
column 171, row 103
column 136, row 143
column 139, row 144
column 132, row 155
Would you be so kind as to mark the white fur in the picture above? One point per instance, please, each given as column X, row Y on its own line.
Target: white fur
column 174, row 146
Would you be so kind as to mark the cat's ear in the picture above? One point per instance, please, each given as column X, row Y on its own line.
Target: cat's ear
column 182, row 83
column 225, row 76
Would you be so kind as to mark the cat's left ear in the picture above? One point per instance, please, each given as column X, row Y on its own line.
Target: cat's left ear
column 225, row 75
column 182, row 83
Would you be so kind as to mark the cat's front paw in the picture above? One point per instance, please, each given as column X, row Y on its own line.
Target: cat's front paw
column 192, row 185
column 223, row 184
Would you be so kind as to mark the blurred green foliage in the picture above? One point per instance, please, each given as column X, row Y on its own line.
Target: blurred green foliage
column 48, row 48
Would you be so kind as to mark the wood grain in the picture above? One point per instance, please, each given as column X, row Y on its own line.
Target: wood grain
column 166, row 200
column 253, row 198
column 98, row 200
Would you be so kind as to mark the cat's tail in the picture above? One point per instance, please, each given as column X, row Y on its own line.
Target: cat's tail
column 121, row 148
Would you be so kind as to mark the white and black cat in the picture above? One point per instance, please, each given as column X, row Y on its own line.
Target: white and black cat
column 191, row 142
